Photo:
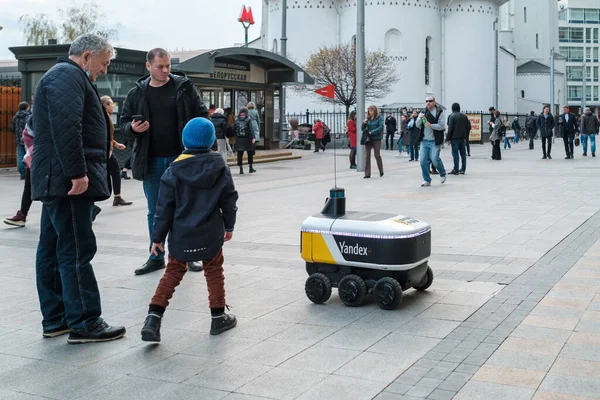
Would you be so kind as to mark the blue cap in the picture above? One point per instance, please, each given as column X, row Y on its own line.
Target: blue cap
column 199, row 133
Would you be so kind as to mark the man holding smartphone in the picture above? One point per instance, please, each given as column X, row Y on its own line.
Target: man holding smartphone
column 154, row 114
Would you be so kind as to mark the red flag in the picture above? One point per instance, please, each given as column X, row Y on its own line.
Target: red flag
column 246, row 16
column 326, row 91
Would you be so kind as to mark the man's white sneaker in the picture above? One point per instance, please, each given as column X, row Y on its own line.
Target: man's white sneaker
column 425, row 184
column 398, row 154
column 443, row 179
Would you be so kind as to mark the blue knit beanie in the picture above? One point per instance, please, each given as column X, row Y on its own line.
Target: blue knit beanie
column 199, row 133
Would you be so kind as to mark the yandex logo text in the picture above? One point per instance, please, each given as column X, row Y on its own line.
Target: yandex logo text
column 353, row 250
column 246, row 16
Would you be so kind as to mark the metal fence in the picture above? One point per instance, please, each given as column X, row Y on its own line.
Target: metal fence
column 336, row 121
column 10, row 96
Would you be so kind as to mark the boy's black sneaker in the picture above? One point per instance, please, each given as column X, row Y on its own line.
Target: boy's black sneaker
column 52, row 333
column 151, row 329
column 102, row 333
column 222, row 323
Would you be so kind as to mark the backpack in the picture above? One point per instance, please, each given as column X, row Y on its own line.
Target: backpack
column 530, row 123
column 242, row 126
column 502, row 130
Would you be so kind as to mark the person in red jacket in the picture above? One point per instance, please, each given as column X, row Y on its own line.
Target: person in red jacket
column 351, row 127
column 318, row 131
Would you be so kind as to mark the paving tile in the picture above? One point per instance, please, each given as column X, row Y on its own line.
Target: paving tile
column 389, row 396
column 588, row 326
column 282, row 383
column 429, row 383
column 376, row 367
column 509, row 376
column 428, row 327
column 573, row 385
column 340, row 387
column 449, row 312
column 268, row 353
column 534, row 332
column 542, row 395
column 573, row 367
column 558, row 312
column 490, row 391
column 439, row 394
column 227, row 376
column 585, row 338
column 398, row 388
column 321, row 359
column 304, row 334
column 407, row 347
column 564, row 303
column 455, row 381
column 419, row 392
column 350, row 338
column 515, row 359
column 551, row 322
column 581, row 352
column 545, row 347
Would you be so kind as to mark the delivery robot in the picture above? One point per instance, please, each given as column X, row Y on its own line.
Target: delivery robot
column 364, row 253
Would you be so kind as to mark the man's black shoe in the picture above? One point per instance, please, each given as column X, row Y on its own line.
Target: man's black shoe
column 151, row 329
column 52, row 333
column 102, row 333
column 150, row 266
column 222, row 323
column 454, row 172
column 462, row 172
column 195, row 266
column 549, row 157
column 593, row 154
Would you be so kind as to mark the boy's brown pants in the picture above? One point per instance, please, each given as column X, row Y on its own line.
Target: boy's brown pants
column 213, row 272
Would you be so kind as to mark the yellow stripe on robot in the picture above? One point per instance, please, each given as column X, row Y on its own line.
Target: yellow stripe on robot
column 307, row 247
column 320, row 250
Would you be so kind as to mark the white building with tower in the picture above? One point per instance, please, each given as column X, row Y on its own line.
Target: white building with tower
column 446, row 48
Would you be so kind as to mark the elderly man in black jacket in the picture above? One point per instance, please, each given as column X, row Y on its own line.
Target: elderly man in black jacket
column 154, row 114
column 568, row 127
column 459, row 127
column 68, row 173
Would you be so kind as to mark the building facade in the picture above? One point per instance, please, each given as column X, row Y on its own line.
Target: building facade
column 443, row 48
column 578, row 33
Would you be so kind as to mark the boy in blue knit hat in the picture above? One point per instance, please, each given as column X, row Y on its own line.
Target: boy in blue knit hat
column 197, row 208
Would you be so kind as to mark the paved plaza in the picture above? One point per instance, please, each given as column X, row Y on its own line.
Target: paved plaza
column 513, row 312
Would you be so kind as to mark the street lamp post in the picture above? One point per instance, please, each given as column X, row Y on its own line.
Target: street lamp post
column 360, row 81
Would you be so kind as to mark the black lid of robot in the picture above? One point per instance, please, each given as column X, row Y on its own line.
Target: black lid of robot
column 335, row 205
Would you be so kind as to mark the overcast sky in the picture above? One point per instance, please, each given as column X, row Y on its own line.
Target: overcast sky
column 199, row 24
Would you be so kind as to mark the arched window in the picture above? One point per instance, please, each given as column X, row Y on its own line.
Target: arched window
column 427, row 59
column 274, row 50
column 354, row 40
column 393, row 43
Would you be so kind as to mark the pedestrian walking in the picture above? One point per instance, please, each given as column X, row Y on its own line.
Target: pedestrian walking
column 351, row 128
column 20, row 218
column 507, row 127
column 318, row 132
column 516, row 127
column 497, row 129
column 589, row 130
column 197, row 210
column 432, row 124
column 244, row 139
column 568, row 125
column 413, row 133
column 372, row 128
column 546, row 124
column 17, row 126
column 458, row 131
column 391, row 126
column 531, row 127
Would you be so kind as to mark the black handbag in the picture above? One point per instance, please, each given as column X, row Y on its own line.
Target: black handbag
column 577, row 141
column 365, row 139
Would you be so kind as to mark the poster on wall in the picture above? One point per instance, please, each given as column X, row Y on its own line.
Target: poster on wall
column 475, row 120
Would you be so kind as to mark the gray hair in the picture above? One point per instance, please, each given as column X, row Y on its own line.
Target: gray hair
column 587, row 109
column 93, row 43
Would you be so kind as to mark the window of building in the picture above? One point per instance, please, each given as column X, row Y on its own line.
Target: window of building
column 574, row 93
column 574, row 54
column 537, row 41
column 274, row 50
column 588, row 54
column 588, row 73
column 427, row 59
column 562, row 15
column 595, row 35
column 563, row 34
column 576, row 35
column 588, row 93
column 596, row 93
column 591, row 15
column 574, row 73
column 576, row 15
column 525, row 14
column 588, row 35
column 522, row 94
column 595, row 77
column 595, row 54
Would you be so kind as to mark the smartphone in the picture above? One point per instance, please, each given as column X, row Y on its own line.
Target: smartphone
column 139, row 118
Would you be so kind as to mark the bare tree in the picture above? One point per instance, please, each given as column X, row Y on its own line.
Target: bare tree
column 37, row 29
column 75, row 20
column 337, row 65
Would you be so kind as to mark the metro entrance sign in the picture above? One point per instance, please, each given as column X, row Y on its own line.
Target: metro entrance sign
column 247, row 19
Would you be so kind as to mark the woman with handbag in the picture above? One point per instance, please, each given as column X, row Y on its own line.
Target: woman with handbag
column 351, row 127
column 372, row 134
column 318, row 131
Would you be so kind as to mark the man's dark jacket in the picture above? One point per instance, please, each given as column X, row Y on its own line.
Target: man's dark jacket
column 18, row 125
column 391, row 126
column 546, row 125
column 71, row 135
column 570, row 127
column 196, row 205
column 589, row 123
column 189, row 105
column 459, row 126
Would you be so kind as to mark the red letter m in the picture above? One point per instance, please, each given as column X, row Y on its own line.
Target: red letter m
column 246, row 16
